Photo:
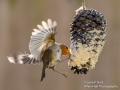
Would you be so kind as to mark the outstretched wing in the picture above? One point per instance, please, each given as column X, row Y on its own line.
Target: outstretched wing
column 22, row 58
column 42, row 38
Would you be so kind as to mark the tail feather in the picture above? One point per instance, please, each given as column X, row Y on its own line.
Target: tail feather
column 43, row 73
column 22, row 59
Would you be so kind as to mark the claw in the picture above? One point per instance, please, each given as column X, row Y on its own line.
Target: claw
column 65, row 74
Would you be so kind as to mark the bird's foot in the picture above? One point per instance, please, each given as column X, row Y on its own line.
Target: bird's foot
column 65, row 74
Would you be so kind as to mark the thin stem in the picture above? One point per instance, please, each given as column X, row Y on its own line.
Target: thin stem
column 65, row 59
column 83, row 4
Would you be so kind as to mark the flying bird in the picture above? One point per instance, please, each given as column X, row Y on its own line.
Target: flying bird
column 43, row 48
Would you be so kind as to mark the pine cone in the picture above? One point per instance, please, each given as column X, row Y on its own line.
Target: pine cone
column 88, row 32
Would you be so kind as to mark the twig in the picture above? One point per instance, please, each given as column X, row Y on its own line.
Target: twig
column 83, row 4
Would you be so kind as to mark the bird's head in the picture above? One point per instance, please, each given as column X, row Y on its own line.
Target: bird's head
column 65, row 49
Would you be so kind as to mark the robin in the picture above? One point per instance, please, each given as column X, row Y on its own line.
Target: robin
column 43, row 48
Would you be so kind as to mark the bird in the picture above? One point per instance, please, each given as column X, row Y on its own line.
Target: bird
column 43, row 48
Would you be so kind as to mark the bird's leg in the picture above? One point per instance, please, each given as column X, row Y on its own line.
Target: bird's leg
column 64, row 74
column 65, row 59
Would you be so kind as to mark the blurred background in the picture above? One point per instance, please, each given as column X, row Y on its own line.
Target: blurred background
column 17, row 20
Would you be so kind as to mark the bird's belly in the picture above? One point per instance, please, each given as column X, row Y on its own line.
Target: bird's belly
column 53, row 63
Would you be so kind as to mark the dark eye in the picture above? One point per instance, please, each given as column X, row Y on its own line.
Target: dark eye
column 66, row 47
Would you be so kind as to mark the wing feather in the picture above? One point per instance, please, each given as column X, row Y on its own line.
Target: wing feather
column 45, row 25
column 42, row 38
column 40, row 27
column 22, row 59
column 49, row 23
